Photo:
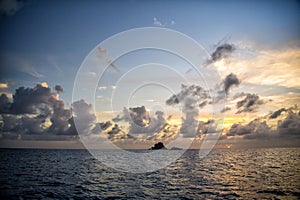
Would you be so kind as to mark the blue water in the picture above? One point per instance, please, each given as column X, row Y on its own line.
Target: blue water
column 223, row 174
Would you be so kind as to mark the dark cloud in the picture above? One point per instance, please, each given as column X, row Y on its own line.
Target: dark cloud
column 38, row 111
column 4, row 104
column 186, row 91
column 203, row 104
column 59, row 118
column 222, row 51
column 40, row 103
column 287, row 128
column 140, row 121
column 256, row 127
column 140, row 116
column 207, row 127
column 32, row 125
column 290, row 125
column 105, row 125
column 225, row 109
column 10, row 7
column 58, row 89
column 191, row 98
column 230, row 81
column 166, row 133
column 224, row 87
column 29, row 100
column 84, row 117
column 11, row 123
column 277, row 113
column 116, row 133
column 249, row 104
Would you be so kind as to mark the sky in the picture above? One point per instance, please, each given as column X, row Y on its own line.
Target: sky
column 250, row 56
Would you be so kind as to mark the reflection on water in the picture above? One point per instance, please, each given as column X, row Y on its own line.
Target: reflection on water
column 223, row 174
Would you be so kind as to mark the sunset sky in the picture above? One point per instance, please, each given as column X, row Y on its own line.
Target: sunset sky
column 252, row 51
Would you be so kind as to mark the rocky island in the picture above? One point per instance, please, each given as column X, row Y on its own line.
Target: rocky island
column 157, row 146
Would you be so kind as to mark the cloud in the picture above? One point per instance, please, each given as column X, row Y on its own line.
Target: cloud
column 53, row 60
column 140, row 121
column 287, row 128
column 60, row 118
column 84, row 116
column 249, row 104
column 210, row 126
column 103, row 56
column 4, row 104
column 230, row 81
column 43, row 84
column 58, row 89
column 222, row 51
column 159, row 23
column 10, row 7
column 192, row 98
column 102, row 87
column 156, row 22
column 137, row 115
column 255, row 128
column 38, row 114
column 92, row 74
column 116, row 133
column 239, row 94
column 203, row 104
column 3, row 85
column 105, row 125
column 11, row 123
column 36, row 111
column 143, row 127
column 186, row 91
column 277, row 113
column 167, row 132
column 225, row 109
column 29, row 100
column 268, row 66
column 189, row 123
column 17, row 63
column 290, row 125
column 32, row 125
column 29, row 69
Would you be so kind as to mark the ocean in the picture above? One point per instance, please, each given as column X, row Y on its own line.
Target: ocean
column 265, row 173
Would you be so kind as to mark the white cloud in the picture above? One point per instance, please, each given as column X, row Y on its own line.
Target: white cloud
column 102, row 88
column 268, row 67
column 92, row 74
column 156, row 22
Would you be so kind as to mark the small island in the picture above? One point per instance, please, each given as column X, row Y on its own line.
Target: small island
column 157, row 146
